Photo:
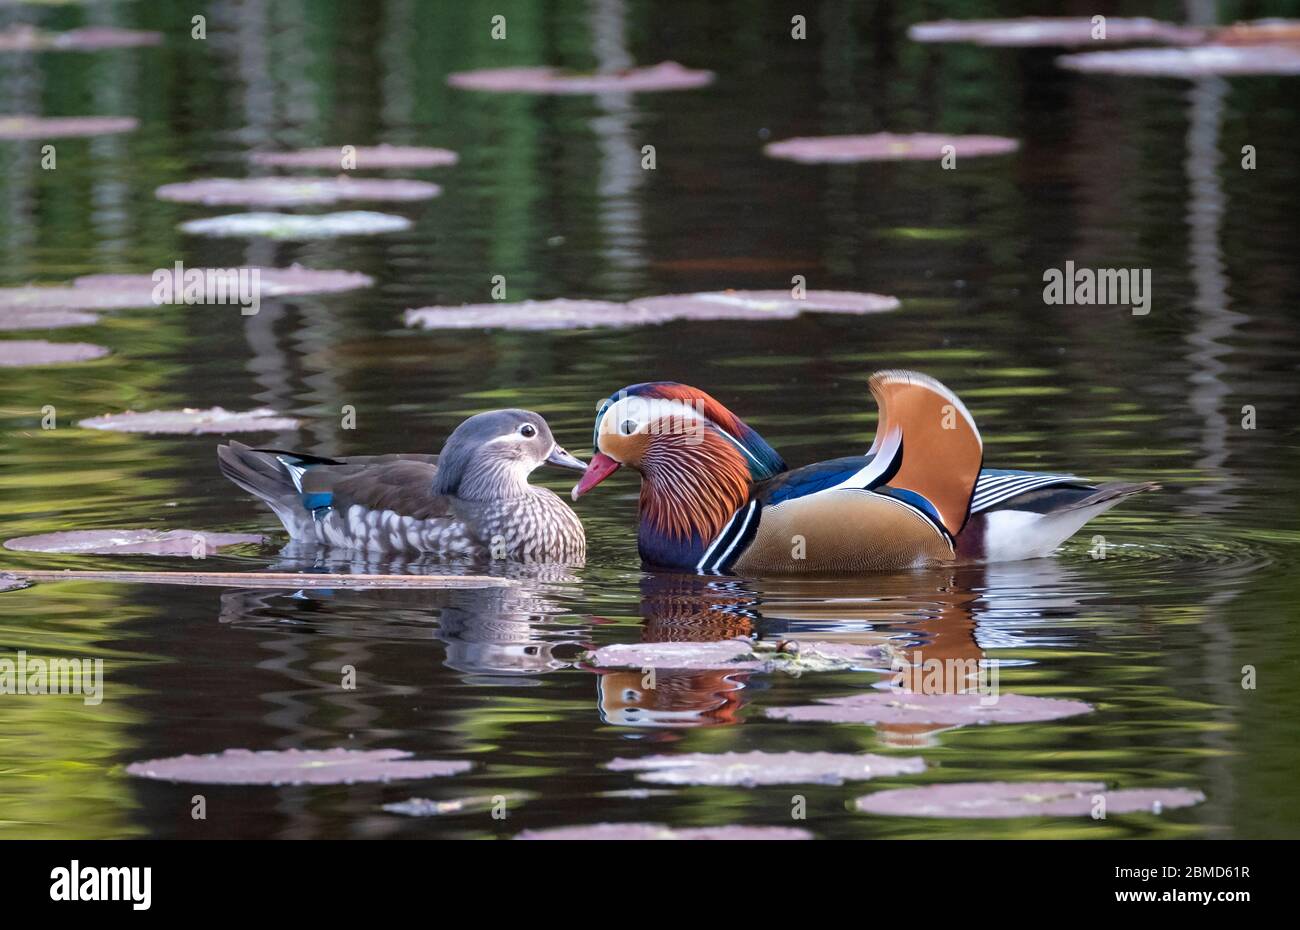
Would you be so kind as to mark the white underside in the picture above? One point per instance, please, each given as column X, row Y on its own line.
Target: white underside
column 1012, row 535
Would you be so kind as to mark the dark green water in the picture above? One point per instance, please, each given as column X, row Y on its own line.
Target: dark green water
column 1112, row 172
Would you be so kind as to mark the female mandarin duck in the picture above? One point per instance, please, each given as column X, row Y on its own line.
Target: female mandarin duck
column 716, row 498
column 473, row 501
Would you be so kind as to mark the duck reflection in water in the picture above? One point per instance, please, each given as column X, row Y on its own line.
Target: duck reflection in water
column 935, row 623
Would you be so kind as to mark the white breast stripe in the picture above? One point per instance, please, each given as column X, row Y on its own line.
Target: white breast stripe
column 744, row 528
column 708, row 553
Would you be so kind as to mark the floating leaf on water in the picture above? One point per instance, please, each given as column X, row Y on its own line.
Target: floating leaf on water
column 900, row 707
column 1022, row 799
column 25, row 38
column 1052, row 30
column 1200, row 61
column 293, row 192
column 425, row 807
column 131, row 542
column 766, row 768
column 361, row 157
column 25, row 353
column 885, row 146
column 762, row 305
column 63, row 127
column 15, row 319
column 12, row 582
column 646, row 311
column 124, row 291
column 659, row 831
column 724, row 654
column 667, row 75
column 192, row 421
column 290, row 226
column 1259, row 32
column 295, row 767
column 528, row 315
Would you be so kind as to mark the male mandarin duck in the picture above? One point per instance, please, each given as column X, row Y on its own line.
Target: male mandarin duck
column 716, row 498
column 473, row 501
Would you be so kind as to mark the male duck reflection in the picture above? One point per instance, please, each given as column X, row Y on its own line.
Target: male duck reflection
column 715, row 497
column 473, row 501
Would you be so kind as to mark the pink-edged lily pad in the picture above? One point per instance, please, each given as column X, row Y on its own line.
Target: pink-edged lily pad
column 13, row 583
column 1258, row 32
column 191, row 421
column 63, row 127
column 659, row 831
column 24, row 38
column 28, row 353
column 293, row 192
column 289, row 226
column 188, row 543
column 762, row 305
column 886, row 146
column 722, row 654
column 123, row 291
column 903, row 707
column 529, row 315
column 358, row 157
column 1052, row 30
column 295, row 767
column 767, row 768
column 16, row 319
column 667, row 75
column 426, row 807
column 646, row 311
column 1023, row 799
column 1198, row 61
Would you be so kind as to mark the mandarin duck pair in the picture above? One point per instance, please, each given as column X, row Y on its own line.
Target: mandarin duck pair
column 715, row 497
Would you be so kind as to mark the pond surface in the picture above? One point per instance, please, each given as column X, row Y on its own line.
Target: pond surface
column 1197, row 583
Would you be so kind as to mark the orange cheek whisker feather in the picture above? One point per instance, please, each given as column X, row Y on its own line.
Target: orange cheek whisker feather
column 693, row 485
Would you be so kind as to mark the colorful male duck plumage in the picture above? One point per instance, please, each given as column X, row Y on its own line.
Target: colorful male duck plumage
column 473, row 501
column 716, row 498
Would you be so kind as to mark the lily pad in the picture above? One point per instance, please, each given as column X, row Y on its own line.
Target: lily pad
column 741, row 654
column 289, row 226
column 424, row 807
column 659, row 831
column 191, row 421
column 1052, row 30
column 529, row 315
column 63, row 127
column 362, row 157
column 767, row 768
column 131, row 542
column 1022, row 799
column 1259, row 32
column 12, row 583
column 762, row 305
column 28, row 353
column 295, row 767
column 1200, row 61
column 293, row 192
column 14, row 319
column 25, row 38
column 123, row 291
column 894, row 707
column 885, row 146
column 646, row 311
column 667, row 75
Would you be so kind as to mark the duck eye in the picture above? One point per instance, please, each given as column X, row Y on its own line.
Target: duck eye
column 528, row 430
column 627, row 427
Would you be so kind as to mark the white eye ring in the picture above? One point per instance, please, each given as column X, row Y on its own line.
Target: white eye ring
column 528, row 431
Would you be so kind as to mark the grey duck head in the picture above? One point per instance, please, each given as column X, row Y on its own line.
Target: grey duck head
column 491, row 455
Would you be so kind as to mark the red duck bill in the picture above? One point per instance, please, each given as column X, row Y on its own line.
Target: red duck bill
column 599, row 468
